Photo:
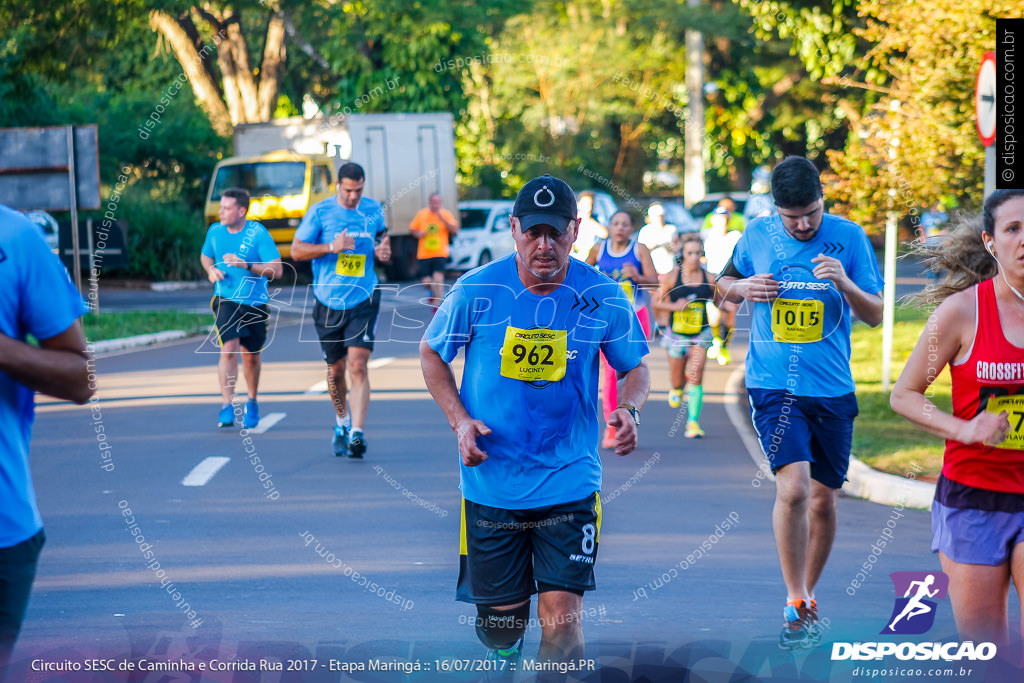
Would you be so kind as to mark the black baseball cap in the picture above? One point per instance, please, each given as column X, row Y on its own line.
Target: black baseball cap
column 545, row 200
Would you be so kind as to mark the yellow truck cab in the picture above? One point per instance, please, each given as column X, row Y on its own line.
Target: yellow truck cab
column 282, row 185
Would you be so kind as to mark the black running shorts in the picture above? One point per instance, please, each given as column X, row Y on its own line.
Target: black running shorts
column 340, row 329
column 239, row 321
column 505, row 554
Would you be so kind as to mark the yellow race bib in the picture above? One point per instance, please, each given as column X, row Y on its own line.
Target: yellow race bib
column 431, row 243
column 530, row 355
column 690, row 320
column 1013, row 406
column 627, row 286
column 351, row 265
column 797, row 321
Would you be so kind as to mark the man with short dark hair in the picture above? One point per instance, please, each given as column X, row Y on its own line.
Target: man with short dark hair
column 37, row 299
column 343, row 236
column 527, row 420
column 433, row 227
column 239, row 256
column 805, row 271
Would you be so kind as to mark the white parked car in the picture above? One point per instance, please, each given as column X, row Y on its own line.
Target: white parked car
column 484, row 233
column 47, row 225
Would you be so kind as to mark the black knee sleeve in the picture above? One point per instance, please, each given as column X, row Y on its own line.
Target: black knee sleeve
column 501, row 629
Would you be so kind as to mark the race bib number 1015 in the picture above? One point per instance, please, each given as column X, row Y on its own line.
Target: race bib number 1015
column 797, row 321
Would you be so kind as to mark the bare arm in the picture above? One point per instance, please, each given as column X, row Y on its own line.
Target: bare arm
column 58, row 367
column 942, row 341
column 649, row 276
column 453, row 227
column 214, row 273
column 441, row 383
column 760, row 288
column 633, row 389
column 868, row 307
column 271, row 270
column 307, row 251
column 592, row 256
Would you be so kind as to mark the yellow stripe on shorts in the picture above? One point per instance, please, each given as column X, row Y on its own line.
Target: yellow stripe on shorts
column 462, row 531
column 597, row 510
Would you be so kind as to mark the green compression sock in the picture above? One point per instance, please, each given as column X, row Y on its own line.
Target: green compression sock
column 694, row 400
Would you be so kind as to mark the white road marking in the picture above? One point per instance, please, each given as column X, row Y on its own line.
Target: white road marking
column 204, row 471
column 321, row 386
column 267, row 422
column 318, row 388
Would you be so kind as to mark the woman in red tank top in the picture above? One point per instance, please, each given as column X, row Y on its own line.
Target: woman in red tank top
column 978, row 331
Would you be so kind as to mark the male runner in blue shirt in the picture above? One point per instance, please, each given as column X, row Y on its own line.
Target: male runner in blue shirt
column 342, row 236
column 37, row 299
column 239, row 256
column 805, row 271
column 533, row 325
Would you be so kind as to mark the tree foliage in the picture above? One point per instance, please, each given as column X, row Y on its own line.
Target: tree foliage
column 917, row 143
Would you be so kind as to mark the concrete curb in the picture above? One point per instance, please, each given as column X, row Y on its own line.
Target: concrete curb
column 862, row 480
column 109, row 345
column 178, row 286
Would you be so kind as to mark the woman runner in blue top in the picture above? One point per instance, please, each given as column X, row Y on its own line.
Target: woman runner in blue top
column 622, row 258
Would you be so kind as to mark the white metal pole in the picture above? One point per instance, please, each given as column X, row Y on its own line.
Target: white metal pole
column 889, row 297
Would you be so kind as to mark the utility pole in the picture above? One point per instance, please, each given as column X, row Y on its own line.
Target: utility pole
column 693, row 174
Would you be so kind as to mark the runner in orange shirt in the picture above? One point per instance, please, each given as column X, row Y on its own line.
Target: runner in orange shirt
column 433, row 226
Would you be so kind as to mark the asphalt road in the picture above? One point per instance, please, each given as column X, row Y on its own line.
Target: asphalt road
column 266, row 557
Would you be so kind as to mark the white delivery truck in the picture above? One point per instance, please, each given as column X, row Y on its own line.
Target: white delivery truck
column 407, row 157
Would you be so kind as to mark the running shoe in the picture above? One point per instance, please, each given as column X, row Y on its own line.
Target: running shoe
column 252, row 414
column 795, row 634
column 226, row 418
column 340, row 443
column 506, row 662
column 675, row 398
column 357, row 445
column 814, row 629
column 693, row 430
column 723, row 356
column 716, row 346
column 609, row 437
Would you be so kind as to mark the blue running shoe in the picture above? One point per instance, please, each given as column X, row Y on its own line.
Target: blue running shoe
column 796, row 633
column 252, row 414
column 340, row 443
column 227, row 416
column 357, row 446
column 505, row 662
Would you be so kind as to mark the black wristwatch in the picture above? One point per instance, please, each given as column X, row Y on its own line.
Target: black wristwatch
column 633, row 412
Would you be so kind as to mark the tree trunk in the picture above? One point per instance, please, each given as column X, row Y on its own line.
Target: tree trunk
column 272, row 67
column 204, row 87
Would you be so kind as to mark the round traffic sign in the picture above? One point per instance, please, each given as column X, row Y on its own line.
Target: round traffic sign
column 985, row 99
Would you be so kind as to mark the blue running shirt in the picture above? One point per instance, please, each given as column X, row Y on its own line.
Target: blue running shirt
column 341, row 281
column 801, row 342
column 542, row 449
column 38, row 298
column 252, row 244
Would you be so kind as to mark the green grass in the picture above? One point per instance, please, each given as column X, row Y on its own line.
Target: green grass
column 117, row 325
column 881, row 438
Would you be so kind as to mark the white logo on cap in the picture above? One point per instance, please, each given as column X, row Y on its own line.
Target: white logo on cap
column 537, row 194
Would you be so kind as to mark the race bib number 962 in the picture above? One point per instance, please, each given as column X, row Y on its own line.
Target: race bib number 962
column 797, row 321
column 530, row 355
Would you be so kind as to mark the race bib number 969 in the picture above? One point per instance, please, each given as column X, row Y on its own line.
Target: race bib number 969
column 530, row 355
column 351, row 265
